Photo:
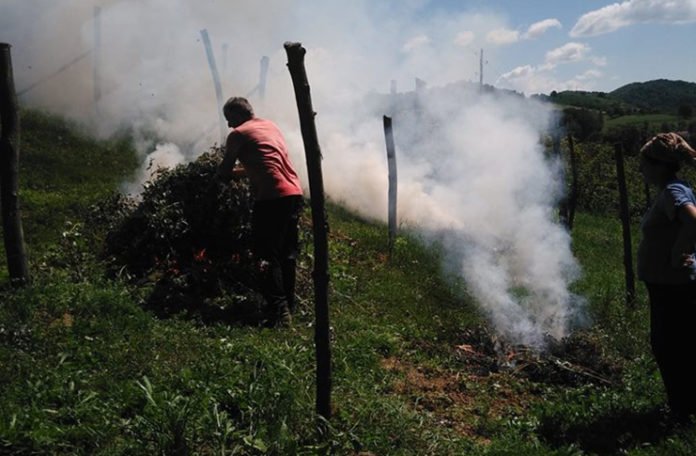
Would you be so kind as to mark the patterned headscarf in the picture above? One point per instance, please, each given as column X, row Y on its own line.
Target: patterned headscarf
column 669, row 148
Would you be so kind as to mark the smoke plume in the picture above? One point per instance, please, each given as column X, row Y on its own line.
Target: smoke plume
column 473, row 176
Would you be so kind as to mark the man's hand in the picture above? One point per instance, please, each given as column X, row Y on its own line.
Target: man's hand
column 238, row 172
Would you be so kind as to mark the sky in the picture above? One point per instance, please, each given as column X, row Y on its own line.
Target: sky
column 473, row 173
column 599, row 45
column 532, row 46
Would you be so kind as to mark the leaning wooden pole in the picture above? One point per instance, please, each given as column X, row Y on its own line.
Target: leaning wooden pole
column 626, row 225
column 9, row 165
column 216, row 82
column 391, row 163
column 320, row 226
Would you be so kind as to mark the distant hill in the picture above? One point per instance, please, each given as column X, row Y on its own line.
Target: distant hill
column 658, row 96
column 600, row 101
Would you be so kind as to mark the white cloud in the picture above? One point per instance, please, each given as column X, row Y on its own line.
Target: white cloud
column 539, row 28
column 502, row 36
column 464, row 38
column 618, row 15
column 599, row 61
column 519, row 72
column 529, row 79
column 570, row 52
column 589, row 75
column 415, row 43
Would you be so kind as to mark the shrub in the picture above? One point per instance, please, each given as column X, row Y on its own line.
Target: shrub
column 189, row 235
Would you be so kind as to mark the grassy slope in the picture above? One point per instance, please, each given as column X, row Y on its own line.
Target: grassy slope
column 62, row 171
column 84, row 370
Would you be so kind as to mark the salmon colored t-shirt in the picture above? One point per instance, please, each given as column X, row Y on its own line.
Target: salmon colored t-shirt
column 263, row 153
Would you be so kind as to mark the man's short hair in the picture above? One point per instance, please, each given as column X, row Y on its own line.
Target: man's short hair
column 239, row 106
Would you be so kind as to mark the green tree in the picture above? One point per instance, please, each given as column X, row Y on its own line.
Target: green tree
column 583, row 123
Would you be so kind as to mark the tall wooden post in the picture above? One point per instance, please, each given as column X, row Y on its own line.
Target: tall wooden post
column 391, row 163
column 9, row 164
column 573, row 200
column 320, row 225
column 481, row 71
column 626, row 225
column 216, row 82
column 556, row 146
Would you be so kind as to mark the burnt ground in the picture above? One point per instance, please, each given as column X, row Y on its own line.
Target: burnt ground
column 489, row 384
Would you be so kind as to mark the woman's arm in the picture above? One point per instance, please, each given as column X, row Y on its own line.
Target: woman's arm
column 684, row 246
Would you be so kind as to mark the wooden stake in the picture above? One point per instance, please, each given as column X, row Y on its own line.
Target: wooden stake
column 556, row 146
column 626, row 225
column 216, row 82
column 9, row 164
column 320, row 226
column 391, row 162
column 573, row 200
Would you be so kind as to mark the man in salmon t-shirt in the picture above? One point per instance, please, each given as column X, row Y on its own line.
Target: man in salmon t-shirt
column 260, row 147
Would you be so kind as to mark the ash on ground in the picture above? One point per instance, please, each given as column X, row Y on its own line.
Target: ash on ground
column 574, row 360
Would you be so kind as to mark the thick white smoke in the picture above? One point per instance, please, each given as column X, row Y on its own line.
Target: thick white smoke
column 472, row 173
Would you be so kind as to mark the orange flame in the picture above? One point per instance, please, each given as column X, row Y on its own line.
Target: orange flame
column 200, row 255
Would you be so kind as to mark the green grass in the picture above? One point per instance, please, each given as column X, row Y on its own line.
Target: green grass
column 62, row 172
column 85, row 370
column 654, row 121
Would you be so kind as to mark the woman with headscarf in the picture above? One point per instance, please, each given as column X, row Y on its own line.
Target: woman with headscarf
column 667, row 265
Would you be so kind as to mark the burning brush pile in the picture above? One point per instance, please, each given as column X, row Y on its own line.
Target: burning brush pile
column 577, row 359
column 189, row 234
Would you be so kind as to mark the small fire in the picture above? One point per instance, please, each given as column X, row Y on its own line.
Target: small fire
column 200, row 255
column 169, row 265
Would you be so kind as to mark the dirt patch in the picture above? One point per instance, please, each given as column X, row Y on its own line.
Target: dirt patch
column 461, row 401
column 489, row 381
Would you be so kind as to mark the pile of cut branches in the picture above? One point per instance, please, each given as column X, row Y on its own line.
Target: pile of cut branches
column 189, row 235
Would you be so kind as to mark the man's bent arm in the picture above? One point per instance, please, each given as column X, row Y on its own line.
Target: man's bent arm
column 227, row 167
